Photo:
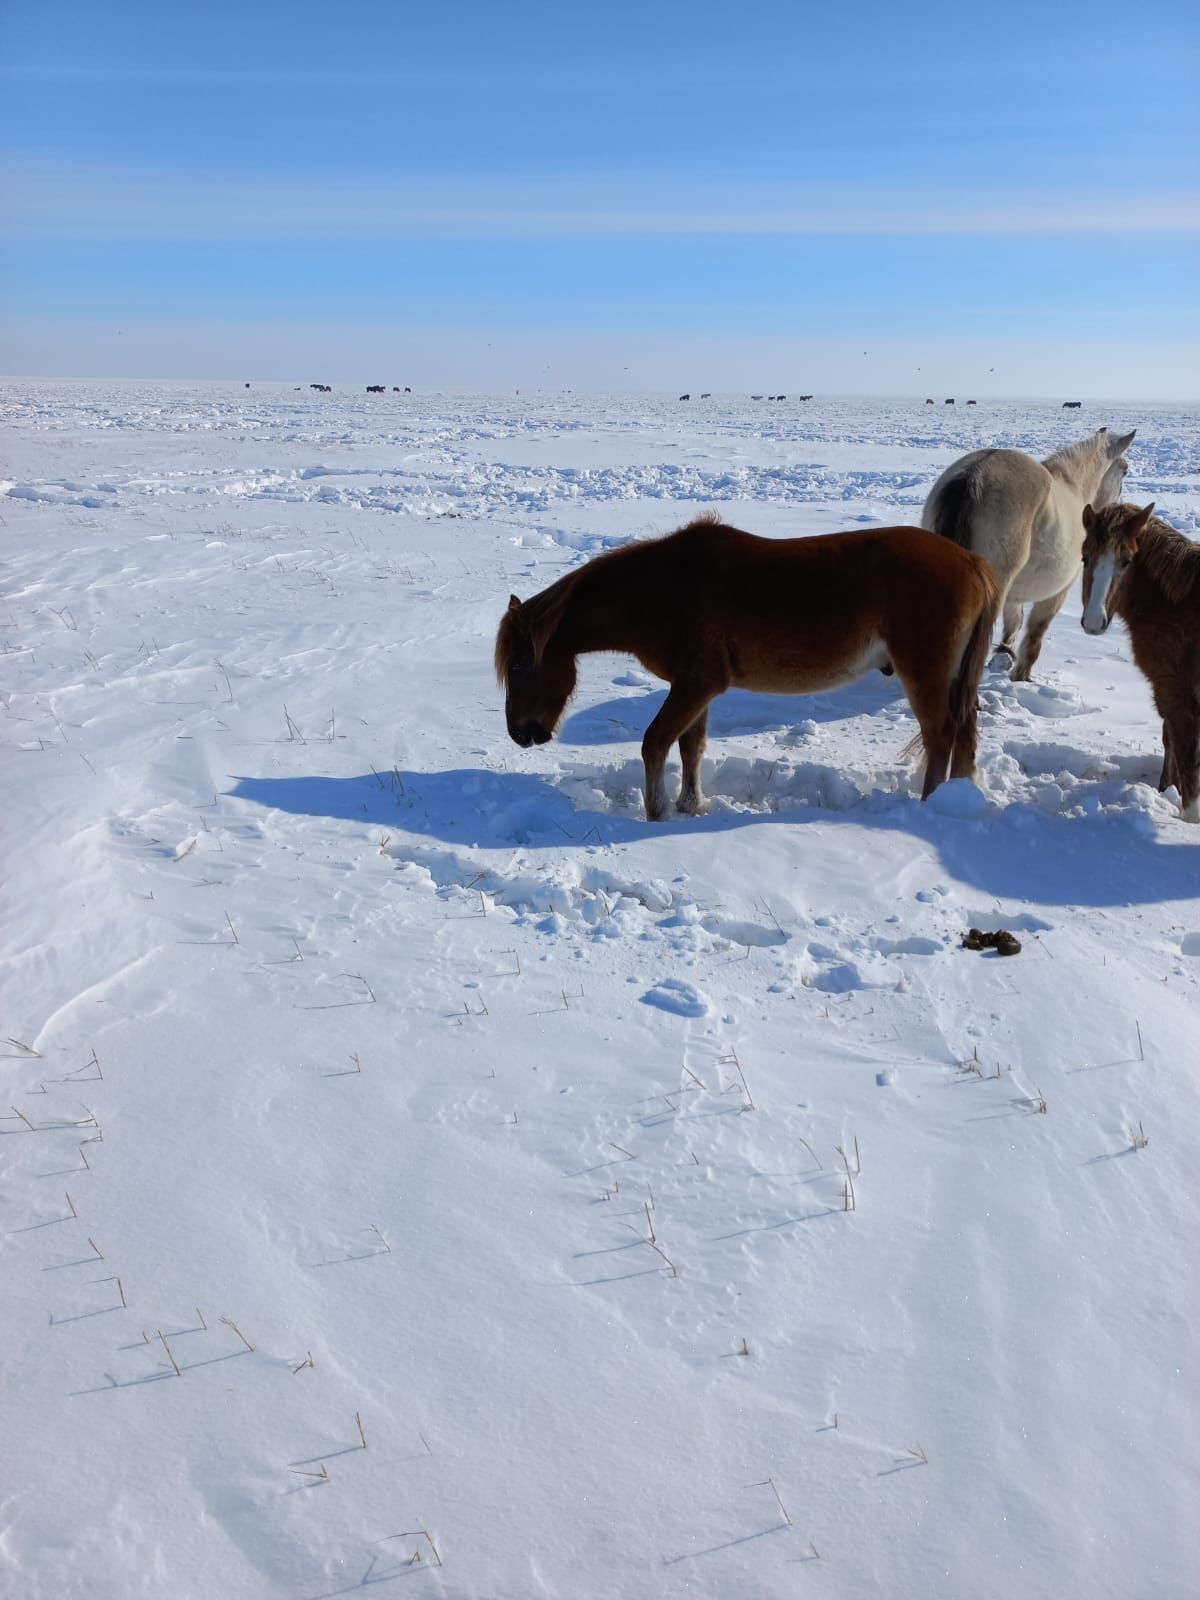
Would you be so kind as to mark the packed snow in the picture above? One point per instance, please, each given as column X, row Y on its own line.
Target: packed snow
column 422, row 1172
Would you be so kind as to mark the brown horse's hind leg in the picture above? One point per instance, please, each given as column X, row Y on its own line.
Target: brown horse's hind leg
column 929, row 696
column 1041, row 616
column 691, row 748
column 1167, row 776
column 676, row 714
column 966, row 740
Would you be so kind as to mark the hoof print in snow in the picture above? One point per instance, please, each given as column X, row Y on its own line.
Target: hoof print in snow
column 678, row 996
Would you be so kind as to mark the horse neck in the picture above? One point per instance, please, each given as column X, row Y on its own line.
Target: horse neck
column 593, row 611
column 1161, row 574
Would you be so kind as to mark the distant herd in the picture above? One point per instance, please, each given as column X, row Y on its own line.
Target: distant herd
column 710, row 608
column 382, row 388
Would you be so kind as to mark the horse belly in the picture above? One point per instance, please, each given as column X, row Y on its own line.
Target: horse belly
column 1050, row 568
column 807, row 672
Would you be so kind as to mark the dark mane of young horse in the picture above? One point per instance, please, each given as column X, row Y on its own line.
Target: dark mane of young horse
column 1171, row 559
column 541, row 614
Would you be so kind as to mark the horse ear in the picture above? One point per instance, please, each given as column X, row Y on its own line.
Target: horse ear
column 513, row 603
column 1141, row 521
column 1117, row 446
column 1089, row 519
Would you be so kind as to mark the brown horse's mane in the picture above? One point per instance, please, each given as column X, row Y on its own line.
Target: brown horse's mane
column 539, row 616
column 1171, row 559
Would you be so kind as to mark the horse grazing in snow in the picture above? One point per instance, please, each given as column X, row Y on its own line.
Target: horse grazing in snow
column 710, row 608
column 1137, row 567
column 1026, row 518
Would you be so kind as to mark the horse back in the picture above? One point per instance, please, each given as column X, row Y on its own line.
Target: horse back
column 791, row 615
column 991, row 501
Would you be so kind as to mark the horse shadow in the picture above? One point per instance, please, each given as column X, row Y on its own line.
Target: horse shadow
column 1014, row 853
column 737, row 711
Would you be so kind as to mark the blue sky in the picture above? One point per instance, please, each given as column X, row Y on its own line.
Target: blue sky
column 981, row 188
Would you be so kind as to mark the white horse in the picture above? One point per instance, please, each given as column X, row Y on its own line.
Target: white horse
column 1026, row 518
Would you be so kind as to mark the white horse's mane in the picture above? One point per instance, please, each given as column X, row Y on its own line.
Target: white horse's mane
column 1083, row 452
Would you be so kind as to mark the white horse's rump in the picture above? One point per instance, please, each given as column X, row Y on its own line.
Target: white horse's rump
column 1026, row 518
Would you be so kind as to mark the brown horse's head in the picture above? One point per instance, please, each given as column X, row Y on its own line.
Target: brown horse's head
column 538, row 679
column 1109, row 546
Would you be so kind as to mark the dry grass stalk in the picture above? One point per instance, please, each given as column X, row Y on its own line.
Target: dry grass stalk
column 303, row 1472
column 71, row 1203
column 414, row 1533
column 92, row 1066
column 812, row 1153
column 1138, row 1139
column 231, row 1324
column 361, row 1434
column 170, row 1357
column 658, row 1249
column 307, row 1362
column 771, row 1483
column 27, row 1048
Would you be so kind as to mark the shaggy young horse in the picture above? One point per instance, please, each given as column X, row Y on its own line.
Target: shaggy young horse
column 1025, row 517
column 710, row 608
column 1138, row 568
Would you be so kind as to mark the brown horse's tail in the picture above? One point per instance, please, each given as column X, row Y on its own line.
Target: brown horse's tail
column 964, row 687
column 952, row 512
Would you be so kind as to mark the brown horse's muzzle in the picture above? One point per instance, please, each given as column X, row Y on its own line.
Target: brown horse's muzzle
column 527, row 733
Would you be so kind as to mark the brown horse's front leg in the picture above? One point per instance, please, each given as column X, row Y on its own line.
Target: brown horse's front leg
column 691, row 750
column 1185, row 754
column 678, row 712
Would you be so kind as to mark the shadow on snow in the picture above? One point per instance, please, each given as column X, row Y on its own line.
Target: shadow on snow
column 1015, row 853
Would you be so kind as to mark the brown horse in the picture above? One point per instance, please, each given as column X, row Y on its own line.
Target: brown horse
column 710, row 608
column 1137, row 567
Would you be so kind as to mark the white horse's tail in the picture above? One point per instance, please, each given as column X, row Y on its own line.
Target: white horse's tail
column 952, row 510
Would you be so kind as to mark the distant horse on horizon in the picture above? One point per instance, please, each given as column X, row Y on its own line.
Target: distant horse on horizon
column 1026, row 518
column 710, row 608
column 1137, row 567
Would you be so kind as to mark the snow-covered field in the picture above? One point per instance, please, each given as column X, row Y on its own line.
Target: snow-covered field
column 678, row 1209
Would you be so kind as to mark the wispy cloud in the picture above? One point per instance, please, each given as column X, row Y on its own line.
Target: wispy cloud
column 53, row 200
